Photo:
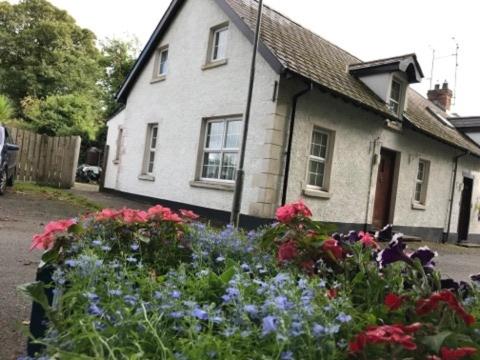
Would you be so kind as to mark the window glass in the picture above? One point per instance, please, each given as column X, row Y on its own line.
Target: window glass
column 219, row 50
column 150, row 151
column 421, row 182
column 163, row 63
column 220, row 155
column 317, row 159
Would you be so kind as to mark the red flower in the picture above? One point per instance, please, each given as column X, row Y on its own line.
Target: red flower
column 107, row 214
column 189, row 214
column 332, row 293
column 386, row 334
column 308, row 266
column 425, row 306
column 333, row 249
column 457, row 354
column 287, row 251
column 46, row 239
column 287, row 213
column 368, row 240
column 394, row 302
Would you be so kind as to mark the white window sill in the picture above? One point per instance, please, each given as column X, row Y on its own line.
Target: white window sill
column 418, row 206
column 214, row 64
column 158, row 79
column 317, row 193
column 146, row 177
column 213, row 185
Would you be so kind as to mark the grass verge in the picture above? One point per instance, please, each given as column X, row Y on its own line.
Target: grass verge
column 57, row 194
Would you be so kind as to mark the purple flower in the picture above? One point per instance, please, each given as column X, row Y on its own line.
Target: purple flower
column 115, row 292
column 352, row 236
column 175, row 294
column 269, row 325
column 92, row 296
column 71, row 263
column 282, row 303
column 176, row 314
column 425, row 255
column 287, row 355
column 200, row 314
column 130, row 299
column 475, row 278
column 394, row 252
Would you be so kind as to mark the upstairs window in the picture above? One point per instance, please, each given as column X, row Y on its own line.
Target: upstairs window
column 421, row 182
column 220, row 152
column 118, row 149
column 319, row 159
column 396, row 96
column 161, row 64
column 219, row 44
column 150, row 149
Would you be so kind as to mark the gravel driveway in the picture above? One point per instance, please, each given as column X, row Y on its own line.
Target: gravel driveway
column 22, row 215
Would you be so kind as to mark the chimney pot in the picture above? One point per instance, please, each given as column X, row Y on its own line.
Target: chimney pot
column 437, row 86
column 441, row 97
column 445, row 85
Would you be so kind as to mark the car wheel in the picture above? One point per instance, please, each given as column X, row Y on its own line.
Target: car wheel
column 11, row 179
column 3, row 180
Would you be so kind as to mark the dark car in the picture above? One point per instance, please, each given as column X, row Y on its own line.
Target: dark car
column 8, row 159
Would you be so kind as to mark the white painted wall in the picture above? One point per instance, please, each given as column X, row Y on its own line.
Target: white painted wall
column 114, row 124
column 179, row 104
column 355, row 133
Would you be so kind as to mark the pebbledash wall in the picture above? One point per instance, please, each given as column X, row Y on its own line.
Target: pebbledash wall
column 179, row 105
column 359, row 135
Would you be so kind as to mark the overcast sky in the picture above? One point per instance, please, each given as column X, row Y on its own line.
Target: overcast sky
column 369, row 29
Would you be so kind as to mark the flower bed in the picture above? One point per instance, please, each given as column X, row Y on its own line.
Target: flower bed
column 159, row 285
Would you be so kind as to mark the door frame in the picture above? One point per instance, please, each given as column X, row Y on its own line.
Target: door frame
column 468, row 209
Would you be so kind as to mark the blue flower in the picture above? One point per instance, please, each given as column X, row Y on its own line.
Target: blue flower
column 131, row 259
column 200, row 314
column 130, row 299
column 281, row 278
column 92, row 296
column 71, row 263
column 97, row 242
column 106, row 248
column 318, row 330
column 287, row 355
column 134, row 246
column 296, row 328
column 217, row 319
column 176, row 314
column 344, row 318
column 220, row 259
column 115, row 292
column 251, row 310
column 245, row 267
column 95, row 310
column 269, row 325
column 331, row 330
column 175, row 294
column 282, row 303
column 157, row 295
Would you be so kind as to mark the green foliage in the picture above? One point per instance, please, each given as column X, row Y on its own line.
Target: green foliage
column 6, row 110
column 63, row 115
column 43, row 52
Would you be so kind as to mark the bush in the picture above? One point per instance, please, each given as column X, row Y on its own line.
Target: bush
column 160, row 285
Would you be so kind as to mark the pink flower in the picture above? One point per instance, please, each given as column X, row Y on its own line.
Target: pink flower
column 287, row 213
column 188, row 214
column 46, row 240
column 130, row 216
column 287, row 251
column 159, row 212
column 107, row 214
column 368, row 240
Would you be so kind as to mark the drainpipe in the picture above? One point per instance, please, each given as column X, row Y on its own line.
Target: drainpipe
column 290, row 140
column 452, row 194
column 372, row 165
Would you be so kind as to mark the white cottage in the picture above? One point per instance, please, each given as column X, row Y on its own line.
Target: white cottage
column 350, row 137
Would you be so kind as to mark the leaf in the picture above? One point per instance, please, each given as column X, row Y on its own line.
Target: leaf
column 76, row 229
column 227, row 275
column 435, row 342
column 50, row 256
column 36, row 290
column 143, row 238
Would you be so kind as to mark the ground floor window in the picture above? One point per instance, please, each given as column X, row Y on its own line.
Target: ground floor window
column 319, row 158
column 150, row 149
column 221, row 145
column 421, row 181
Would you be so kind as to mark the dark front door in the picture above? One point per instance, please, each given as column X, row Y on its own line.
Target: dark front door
column 383, row 192
column 465, row 206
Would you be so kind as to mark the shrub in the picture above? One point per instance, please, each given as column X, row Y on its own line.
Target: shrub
column 131, row 284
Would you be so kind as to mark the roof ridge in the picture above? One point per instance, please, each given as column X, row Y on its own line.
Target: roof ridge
column 384, row 59
column 305, row 28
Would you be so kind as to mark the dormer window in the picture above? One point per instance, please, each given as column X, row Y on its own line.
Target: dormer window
column 396, row 96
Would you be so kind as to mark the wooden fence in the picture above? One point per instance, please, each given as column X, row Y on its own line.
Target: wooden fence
column 46, row 160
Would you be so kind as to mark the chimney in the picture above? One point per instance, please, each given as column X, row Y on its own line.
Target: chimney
column 441, row 97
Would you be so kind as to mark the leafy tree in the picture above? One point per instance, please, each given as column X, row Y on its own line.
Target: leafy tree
column 72, row 114
column 43, row 52
column 6, row 110
column 118, row 57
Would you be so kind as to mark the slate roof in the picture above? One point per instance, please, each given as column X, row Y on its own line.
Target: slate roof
column 465, row 122
column 305, row 53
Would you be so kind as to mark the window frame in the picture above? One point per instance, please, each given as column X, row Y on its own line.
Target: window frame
column 210, row 61
column 222, row 150
column 118, row 144
column 157, row 75
column 327, row 161
column 147, row 160
column 423, row 182
column 401, row 100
